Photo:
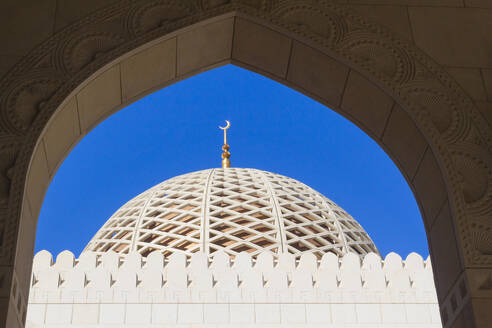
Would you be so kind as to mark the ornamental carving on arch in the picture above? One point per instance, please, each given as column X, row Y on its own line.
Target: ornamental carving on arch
column 462, row 139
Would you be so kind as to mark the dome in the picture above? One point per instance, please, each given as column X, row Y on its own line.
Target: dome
column 234, row 210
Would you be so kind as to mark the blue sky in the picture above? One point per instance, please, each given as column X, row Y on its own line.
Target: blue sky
column 274, row 128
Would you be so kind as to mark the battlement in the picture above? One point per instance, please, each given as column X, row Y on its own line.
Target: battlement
column 112, row 278
column 96, row 291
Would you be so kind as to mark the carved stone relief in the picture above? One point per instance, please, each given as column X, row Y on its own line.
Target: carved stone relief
column 459, row 136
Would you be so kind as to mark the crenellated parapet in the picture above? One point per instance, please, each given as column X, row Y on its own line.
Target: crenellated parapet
column 268, row 291
column 135, row 279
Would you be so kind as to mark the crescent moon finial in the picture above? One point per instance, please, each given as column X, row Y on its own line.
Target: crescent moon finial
column 228, row 125
column 226, row 162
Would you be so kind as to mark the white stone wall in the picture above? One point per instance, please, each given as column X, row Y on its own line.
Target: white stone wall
column 152, row 292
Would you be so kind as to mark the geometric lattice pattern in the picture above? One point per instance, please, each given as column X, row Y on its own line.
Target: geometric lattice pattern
column 234, row 210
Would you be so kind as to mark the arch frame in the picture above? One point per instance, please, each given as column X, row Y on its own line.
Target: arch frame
column 49, row 80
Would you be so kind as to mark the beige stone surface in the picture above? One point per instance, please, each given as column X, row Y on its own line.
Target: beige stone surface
column 366, row 103
column 6, row 62
column 479, row 280
column 26, row 25
column 486, row 110
column 464, row 319
column 395, row 18
column 453, row 36
column 25, row 248
column 433, row 3
column 404, row 140
column 69, row 11
column 478, row 3
column 4, row 306
column 86, row 314
column 261, row 47
column 482, row 310
column 470, row 80
column 487, row 78
column 37, row 180
column 62, row 132
column 445, row 255
column 148, row 69
column 317, row 73
column 14, row 319
column 213, row 42
column 8, row 316
column 99, row 98
column 430, row 188
column 6, row 273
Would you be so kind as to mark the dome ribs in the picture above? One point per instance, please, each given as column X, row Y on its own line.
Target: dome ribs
column 231, row 210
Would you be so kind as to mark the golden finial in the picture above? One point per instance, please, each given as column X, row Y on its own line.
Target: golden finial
column 226, row 162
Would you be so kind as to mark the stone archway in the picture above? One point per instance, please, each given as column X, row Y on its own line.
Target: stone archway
column 388, row 87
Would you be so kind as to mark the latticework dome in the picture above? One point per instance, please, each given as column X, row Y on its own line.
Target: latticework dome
column 233, row 210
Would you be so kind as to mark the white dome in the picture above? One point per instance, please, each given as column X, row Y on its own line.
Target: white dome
column 233, row 210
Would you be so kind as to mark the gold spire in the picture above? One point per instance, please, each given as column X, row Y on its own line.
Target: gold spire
column 226, row 162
